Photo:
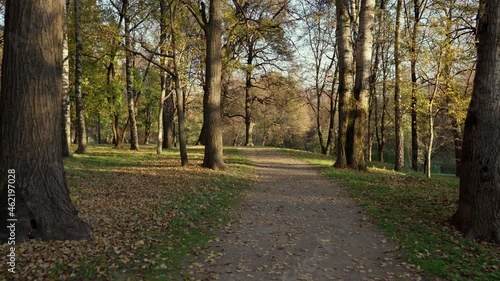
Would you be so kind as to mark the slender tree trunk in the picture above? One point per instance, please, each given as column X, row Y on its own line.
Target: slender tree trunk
column 344, row 46
column 75, row 139
column 147, row 124
column 161, row 115
column 66, row 101
column 99, row 136
column 457, row 140
column 181, row 122
column 163, row 75
column 178, row 92
column 398, row 114
column 430, row 114
column 413, row 70
column 456, row 127
column 249, row 96
column 431, row 141
column 333, row 111
column 374, row 110
column 478, row 214
column 362, row 83
column 211, row 101
column 134, row 138
column 80, row 115
column 30, row 118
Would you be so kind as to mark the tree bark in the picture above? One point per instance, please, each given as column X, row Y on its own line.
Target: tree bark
column 80, row 115
column 147, row 123
column 163, row 74
column 134, row 138
column 346, row 82
column 168, row 119
column 398, row 114
column 30, row 117
column 413, row 69
column 66, row 101
column 248, row 95
column 478, row 214
column 178, row 92
column 362, row 83
column 99, row 129
column 211, row 100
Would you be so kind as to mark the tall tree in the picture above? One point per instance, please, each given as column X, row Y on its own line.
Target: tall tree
column 80, row 114
column 362, row 84
column 211, row 100
column 211, row 134
column 129, row 57
column 418, row 9
column 261, row 35
column 177, row 85
column 478, row 214
column 163, row 74
column 319, row 17
column 66, row 101
column 168, row 117
column 346, row 80
column 398, row 112
column 30, row 118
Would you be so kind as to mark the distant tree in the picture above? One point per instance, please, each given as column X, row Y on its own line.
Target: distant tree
column 319, row 17
column 30, row 119
column 162, row 131
column 129, row 57
column 418, row 7
column 398, row 110
column 478, row 214
column 260, row 34
column 66, row 101
column 80, row 115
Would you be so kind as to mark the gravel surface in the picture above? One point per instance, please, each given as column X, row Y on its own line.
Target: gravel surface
column 295, row 224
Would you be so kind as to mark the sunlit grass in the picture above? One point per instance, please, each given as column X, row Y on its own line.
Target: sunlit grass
column 414, row 211
column 149, row 216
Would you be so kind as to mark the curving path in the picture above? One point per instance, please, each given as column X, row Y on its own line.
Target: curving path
column 297, row 225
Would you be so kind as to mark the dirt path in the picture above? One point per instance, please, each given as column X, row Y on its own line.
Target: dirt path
column 297, row 225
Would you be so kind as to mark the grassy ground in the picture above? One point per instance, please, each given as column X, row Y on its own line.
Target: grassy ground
column 414, row 211
column 149, row 217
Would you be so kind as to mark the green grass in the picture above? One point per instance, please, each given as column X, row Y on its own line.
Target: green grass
column 150, row 218
column 414, row 211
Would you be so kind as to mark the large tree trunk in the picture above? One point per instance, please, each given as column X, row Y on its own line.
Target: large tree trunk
column 80, row 115
column 362, row 84
column 168, row 119
column 478, row 214
column 344, row 46
column 211, row 101
column 398, row 112
column 134, row 138
column 30, row 116
column 66, row 101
